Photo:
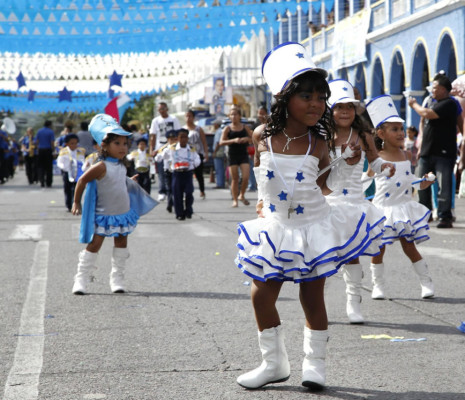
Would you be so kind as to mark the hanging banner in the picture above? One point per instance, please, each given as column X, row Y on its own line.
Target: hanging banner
column 349, row 43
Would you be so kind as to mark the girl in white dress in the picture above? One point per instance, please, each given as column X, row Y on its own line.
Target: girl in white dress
column 349, row 127
column 406, row 219
column 298, row 237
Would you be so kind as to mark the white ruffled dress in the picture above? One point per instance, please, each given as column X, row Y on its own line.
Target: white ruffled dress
column 313, row 240
column 351, row 192
column 405, row 217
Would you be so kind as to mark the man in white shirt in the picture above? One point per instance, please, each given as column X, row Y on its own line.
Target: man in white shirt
column 160, row 125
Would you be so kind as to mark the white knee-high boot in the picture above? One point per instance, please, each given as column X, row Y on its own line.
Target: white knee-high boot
column 118, row 262
column 275, row 365
column 86, row 266
column 353, row 274
column 427, row 287
column 314, row 364
column 377, row 278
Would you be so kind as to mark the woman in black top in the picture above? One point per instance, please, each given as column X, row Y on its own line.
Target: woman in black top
column 237, row 137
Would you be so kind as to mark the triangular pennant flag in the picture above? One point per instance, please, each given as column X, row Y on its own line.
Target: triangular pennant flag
column 21, row 81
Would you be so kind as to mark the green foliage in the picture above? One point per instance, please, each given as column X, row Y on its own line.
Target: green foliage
column 142, row 111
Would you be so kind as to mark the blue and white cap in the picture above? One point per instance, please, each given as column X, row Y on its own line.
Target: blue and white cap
column 341, row 92
column 102, row 124
column 381, row 109
column 284, row 63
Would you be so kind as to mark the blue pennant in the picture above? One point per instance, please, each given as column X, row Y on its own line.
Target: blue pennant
column 282, row 196
column 111, row 93
column 21, row 81
column 270, row 174
column 272, row 207
column 31, row 95
column 65, row 95
column 300, row 176
column 299, row 209
column 115, row 79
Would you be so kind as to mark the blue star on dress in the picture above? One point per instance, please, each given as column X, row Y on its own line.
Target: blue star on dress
column 300, row 176
column 398, row 184
column 270, row 174
column 299, row 209
column 345, row 192
column 407, row 173
column 282, row 196
column 387, row 194
column 406, row 192
column 300, row 55
column 272, row 207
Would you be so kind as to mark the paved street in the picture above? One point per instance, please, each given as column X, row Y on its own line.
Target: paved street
column 185, row 329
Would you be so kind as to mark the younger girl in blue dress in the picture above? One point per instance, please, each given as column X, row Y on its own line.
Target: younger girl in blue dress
column 108, row 210
column 299, row 237
column 406, row 219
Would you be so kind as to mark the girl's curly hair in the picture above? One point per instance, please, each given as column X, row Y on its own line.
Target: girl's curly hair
column 110, row 137
column 314, row 82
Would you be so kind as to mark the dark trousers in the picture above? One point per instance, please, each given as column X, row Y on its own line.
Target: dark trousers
column 169, row 191
column 143, row 179
column 31, row 168
column 199, row 175
column 183, row 187
column 45, row 167
column 443, row 168
column 68, row 188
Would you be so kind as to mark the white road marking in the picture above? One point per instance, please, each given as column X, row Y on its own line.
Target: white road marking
column 27, row 232
column 23, row 379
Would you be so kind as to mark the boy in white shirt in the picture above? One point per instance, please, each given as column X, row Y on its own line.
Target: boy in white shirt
column 70, row 160
column 183, row 161
column 141, row 159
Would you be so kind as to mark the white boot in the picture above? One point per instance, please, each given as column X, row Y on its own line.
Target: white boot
column 427, row 287
column 313, row 366
column 377, row 278
column 353, row 274
column 86, row 266
column 275, row 366
column 118, row 262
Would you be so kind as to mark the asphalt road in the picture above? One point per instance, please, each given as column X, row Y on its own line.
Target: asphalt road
column 185, row 329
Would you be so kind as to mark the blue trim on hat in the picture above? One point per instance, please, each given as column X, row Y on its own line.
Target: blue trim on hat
column 386, row 119
column 276, row 48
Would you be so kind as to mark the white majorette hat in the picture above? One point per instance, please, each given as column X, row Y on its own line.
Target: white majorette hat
column 341, row 92
column 382, row 109
column 284, row 63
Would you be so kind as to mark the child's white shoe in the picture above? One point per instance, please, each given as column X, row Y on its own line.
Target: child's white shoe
column 427, row 286
column 118, row 262
column 314, row 364
column 377, row 279
column 86, row 266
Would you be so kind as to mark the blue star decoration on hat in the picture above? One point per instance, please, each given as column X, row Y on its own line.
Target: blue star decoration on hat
column 390, row 105
column 272, row 207
column 345, row 88
column 299, row 209
column 21, row 81
column 31, row 95
column 270, row 174
column 115, row 79
column 300, row 55
column 300, row 176
column 282, row 196
column 65, row 95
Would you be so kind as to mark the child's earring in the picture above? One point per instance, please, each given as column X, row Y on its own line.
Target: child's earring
column 382, row 144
